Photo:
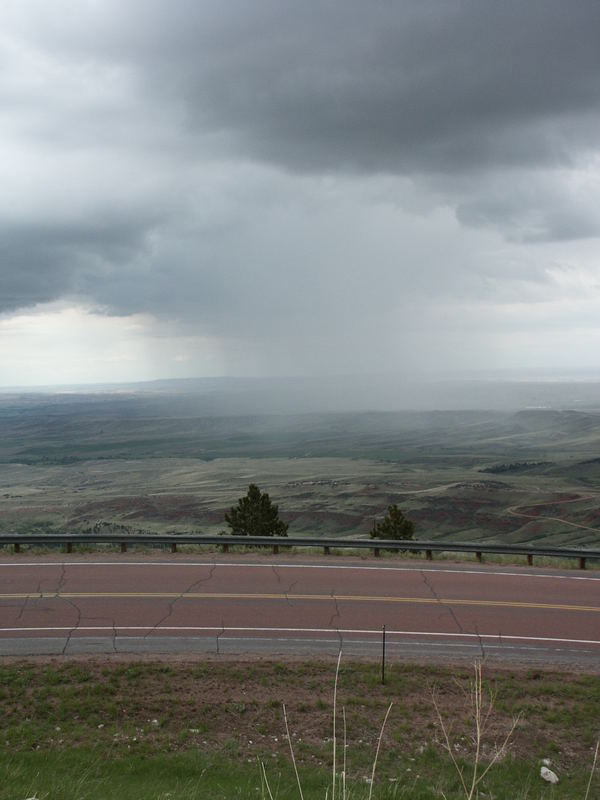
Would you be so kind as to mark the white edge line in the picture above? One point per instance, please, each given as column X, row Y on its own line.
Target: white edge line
column 217, row 629
column 360, row 642
column 238, row 565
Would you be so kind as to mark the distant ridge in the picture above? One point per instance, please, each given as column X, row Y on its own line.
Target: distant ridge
column 296, row 395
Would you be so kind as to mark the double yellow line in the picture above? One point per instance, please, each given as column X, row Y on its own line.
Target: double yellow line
column 340, row 598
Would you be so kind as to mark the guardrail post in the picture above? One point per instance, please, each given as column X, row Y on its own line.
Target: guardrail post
column 69, row 547
column 529, row 560
column 429, row 555
column 16, row 547
column 173, row 547
column 376, row 552
column 581, row 562
column 275, row 549
column 225, row 548
column 478, row 556
column 326, row 550
column 123, row 547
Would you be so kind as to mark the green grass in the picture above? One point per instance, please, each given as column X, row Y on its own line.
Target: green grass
column 91, row 729
column 85, row 774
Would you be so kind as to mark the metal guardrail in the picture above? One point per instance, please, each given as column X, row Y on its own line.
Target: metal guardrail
column 275, row 542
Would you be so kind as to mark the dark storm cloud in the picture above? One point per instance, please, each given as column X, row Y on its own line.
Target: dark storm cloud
column 422, row 88
column 411, row 87
column 41, row 262
column 243, row 165
column 416, row 86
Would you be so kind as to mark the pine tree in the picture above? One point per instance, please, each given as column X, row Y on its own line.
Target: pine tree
column 393, row 526
column 255, row 515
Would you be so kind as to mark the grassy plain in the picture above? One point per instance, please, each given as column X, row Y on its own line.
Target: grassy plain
column 94, row 729
column 70, row 463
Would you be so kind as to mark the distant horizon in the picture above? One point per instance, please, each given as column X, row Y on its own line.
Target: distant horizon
column 557, row 374
column 234, row 396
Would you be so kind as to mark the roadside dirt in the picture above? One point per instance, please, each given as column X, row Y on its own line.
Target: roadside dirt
column 219, row 705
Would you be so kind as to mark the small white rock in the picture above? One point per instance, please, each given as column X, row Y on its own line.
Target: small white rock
column 546, row 762
column 548, row 775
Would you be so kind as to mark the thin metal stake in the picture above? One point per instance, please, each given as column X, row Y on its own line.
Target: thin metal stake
column 383, row 655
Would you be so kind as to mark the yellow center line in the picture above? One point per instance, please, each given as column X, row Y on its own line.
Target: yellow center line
column 343, row 598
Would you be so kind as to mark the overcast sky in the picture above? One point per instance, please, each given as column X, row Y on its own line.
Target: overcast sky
column 281, row 187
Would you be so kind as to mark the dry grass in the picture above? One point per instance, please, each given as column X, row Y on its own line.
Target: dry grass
column 482, row 708
column 471, row 770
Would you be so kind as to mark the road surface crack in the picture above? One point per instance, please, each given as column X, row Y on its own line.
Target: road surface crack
column 23, row 606
column 80, row 617
column 110, row 620
column 481, row 645
column 219, row 634
column 336, row 614
column 171, row 604
column 446, row 607
column 285, row 592
column 61, row 583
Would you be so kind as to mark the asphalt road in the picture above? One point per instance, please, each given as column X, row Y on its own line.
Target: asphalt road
column 278, row 605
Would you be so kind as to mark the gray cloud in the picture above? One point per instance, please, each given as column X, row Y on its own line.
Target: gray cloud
column 531, row 206
column 331, row 173
column 427, row 85
column 41, row 262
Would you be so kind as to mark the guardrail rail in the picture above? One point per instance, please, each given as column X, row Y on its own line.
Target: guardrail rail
column 582, row 554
